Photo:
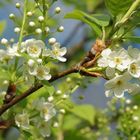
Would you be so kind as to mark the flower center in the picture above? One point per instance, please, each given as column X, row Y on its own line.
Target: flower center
column 117, row 60
column 45, row 111
column 56, row 52
column 40, row 72
column 133, row 68
column 33, row 49
column 119, row 82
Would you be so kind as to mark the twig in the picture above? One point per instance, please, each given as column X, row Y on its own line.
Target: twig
column 78, row 68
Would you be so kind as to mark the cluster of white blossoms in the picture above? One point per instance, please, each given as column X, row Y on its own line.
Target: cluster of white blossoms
column 122, row 69
column 35, row 52
column 43, row 113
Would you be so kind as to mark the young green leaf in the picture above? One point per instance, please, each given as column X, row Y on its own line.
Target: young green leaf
column 2, row 26
column 79, row 15
column 135, row 39
column 82, row 111
column 117, row 7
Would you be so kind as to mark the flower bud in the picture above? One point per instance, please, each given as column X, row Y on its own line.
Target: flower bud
column 57, row 10
column 11, row 16
column 38, row 31
column 31, row 24
column 135, row 118
column 64, row 96
column 40, row 18
column 60, row 29
column 62, row 111
column 47, row 30
column 135, row 107
column 50, row 99
column 17, row 30
column 58, row 92
column 4, row 41
column 29, row 14
column 17, row 5
column 30, row 62
column 55, row 125
column 12, row 40
column 52, row 41
column 39, row 61
column 5, row 82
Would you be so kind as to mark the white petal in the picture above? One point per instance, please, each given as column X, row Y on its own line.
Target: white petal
column 47, row 52
column 62, row 59
column 56, row 46
column 47, row 77
column 110, row 72
column 106, row 52
column 40, row 43
column 119, row 93
column 102, row 62
column 108, row 93
column 111, row 64
column 63, row 51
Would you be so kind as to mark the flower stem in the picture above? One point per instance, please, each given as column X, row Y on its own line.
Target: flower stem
column 130, row 11
column 23, row 23
column 44, row 22
column 124, row 18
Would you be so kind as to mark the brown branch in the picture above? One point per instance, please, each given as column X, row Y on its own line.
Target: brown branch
column 33, row 89
column 89, row 60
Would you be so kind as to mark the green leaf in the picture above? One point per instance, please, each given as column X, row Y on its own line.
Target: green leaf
column 79, row 15
column 100, row 19
column 2, row 26
column 85, row 112
column 135, row 39
column 71, row 125
column 117, row 7
column 49, row 88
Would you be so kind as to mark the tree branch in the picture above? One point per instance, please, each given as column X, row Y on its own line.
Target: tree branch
column 88, row 61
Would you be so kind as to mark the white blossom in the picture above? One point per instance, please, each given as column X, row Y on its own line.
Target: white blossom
column 118, row 59
column 22, row 120
column 118, row 85
column 103, row 61
column 41, row 72
column 47, row 110
column 134, row 53
column 12, row 51
column 56, row 52
column 134, row 69
column 34, row 47
column 44, row 128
